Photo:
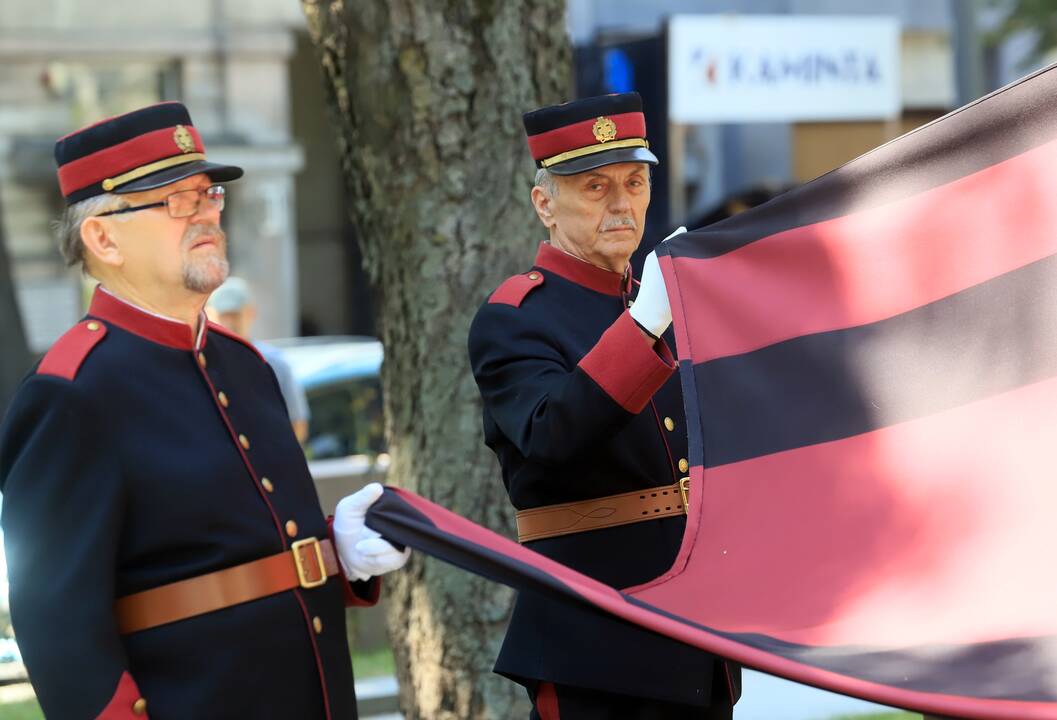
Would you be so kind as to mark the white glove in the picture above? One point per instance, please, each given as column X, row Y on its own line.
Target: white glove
column 651, row 309
column 362, row 551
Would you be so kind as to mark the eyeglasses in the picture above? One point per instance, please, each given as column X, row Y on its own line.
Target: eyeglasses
column 182, row 204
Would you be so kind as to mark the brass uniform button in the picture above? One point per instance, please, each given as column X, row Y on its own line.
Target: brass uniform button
column 669, row 424
column 140, row 707
column 244, row 442
column 267, row 485
column 533, row 276
column 683, row 465
column 222, row 398
column 317, row 624
column 93, row 326
column 291, row 528
column 202, row 359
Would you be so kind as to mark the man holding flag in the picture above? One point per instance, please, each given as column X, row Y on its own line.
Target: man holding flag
column 582, row 408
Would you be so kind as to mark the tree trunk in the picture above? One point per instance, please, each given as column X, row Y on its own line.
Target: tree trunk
column 14, row 354
column 428, row 100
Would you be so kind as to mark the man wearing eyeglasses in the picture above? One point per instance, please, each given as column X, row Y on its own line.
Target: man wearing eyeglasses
column 166, row 550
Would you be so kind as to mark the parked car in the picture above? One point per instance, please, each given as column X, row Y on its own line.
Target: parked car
column 340, row 375
column 346, row 431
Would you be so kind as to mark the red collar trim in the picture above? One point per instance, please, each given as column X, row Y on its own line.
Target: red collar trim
column 125, row 315
column 580, row 272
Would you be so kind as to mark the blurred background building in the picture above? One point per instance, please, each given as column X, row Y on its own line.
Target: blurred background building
column 247, row 71
column 248, row 74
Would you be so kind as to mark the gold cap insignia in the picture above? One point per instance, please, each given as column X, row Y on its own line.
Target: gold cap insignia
column 183, row 139
column 604, row 130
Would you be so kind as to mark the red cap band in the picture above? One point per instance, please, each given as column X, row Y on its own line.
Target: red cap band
column 117, row 159
column 582, row 134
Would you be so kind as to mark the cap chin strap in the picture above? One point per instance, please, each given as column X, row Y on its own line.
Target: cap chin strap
column 592, row 149
column 111, row 183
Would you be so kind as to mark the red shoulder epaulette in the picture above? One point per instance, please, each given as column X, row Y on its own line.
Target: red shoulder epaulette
column 66, row 355
column 214, row 327
column 513, row 290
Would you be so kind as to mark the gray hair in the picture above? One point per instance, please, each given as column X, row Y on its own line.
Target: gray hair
column 68, row 227
column 545, row 179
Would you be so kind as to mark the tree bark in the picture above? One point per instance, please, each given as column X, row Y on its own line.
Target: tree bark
column 428, row 100
column 14, row 353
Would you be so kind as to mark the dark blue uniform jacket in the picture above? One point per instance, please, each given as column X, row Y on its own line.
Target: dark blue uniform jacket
column 578, row 406
column 137, row 455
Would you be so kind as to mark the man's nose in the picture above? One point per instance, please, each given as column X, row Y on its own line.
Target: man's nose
column 620, row 201
column 207, row 214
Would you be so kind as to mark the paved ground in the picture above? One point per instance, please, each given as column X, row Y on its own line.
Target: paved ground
column 765, row 698
column 770, row 698
column 15, row 693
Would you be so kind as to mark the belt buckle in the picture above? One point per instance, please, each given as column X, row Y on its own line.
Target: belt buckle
column 684, row 490
column 302, row 576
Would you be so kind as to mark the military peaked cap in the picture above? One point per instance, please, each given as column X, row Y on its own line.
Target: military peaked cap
column 140, row 150
column 586, row 134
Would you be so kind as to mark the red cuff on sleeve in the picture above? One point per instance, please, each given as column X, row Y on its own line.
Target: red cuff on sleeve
column 358, row 593
column 363, row 593
column 625, row 367
column 127, row 703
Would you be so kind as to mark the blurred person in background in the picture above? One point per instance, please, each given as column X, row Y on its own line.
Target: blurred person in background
column 232, row 306
column 166, row 549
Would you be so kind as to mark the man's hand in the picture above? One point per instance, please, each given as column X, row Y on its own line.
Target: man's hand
column 362, row 551
column 651, row 309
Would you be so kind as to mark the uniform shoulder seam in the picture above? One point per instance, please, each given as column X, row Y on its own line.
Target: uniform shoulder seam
column 514, row 290
column 65, row 357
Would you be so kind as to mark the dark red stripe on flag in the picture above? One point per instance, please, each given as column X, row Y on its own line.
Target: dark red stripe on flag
column 987, row 340
column 413, row 521
column 935, row 531
column 871, row 265
column 1010, row 121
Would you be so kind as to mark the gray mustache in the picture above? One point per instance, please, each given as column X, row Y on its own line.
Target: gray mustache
column 617, row 223
column 195, row 231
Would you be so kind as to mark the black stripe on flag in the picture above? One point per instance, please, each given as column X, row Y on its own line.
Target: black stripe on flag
column 988, row 339
column 965, row 670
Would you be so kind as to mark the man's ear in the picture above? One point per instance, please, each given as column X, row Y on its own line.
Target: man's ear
column 544, row 205
column 99, row 242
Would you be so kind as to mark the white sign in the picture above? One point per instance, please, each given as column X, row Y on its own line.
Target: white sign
column 782, row 68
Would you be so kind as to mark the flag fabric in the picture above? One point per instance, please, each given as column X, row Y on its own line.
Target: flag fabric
column 869, row 365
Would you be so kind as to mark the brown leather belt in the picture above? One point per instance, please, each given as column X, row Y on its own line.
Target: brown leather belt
column 623, row 509
column 307, row 564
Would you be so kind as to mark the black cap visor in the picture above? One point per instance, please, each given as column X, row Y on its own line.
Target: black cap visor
column 216, row 172
column 607, row 157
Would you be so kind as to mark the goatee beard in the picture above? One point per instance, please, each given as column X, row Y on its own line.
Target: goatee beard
column 207, row 274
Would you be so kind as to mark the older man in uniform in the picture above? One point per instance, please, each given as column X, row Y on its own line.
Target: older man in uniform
column 167, row 553
column 582, row 408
